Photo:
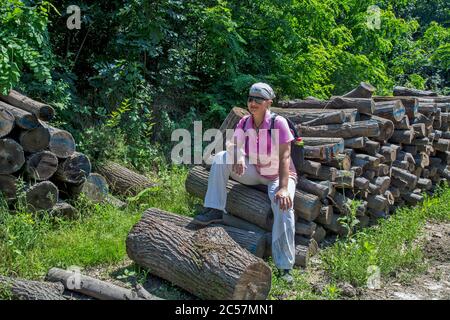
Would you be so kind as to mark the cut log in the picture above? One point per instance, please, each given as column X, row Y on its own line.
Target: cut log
column 320, row 234
column 61, row 142
column 412, row 198
column 123, row 181
column 340, row 161
column 312, row 187
column 383, row 183
column 403, row 124
column 41, row 196
column 386, row 127
column 325, row 216
column 92, row 287
column 336, row 226
column 361, row 183
column 370, row 147
column 306, row 206
column 420, row 118
column 327, row 118
column 377, row 202
column 21, row 289
column 422, row 160
column 6, row 122
column 392, row 110
column 21, row 118
column 63, row 209
column 389, row 153
column 75, row 169
column 403, row 91
column 115, row 202
column 345, row 179
column 242, row 201
column 314, row 152
column 336, row 145
column 368, row 128
column 41, row 165
column 8, row 186
column 355, row 143
column 419, row 130
column 425, row 184
column 155, row 244
column 411, row 104
column 373, row 162
column 402, row 136
column 305, row 115
column 366, row 106
column 40, row 110
column 308, row 166
column 384, row 170
column 442, row 145
column 35, row 140
column 11, row 156
column 364, row 90
column 94, row 187
column 305, row 228
column 325, row 173
column 406, row 176
column 236, row 222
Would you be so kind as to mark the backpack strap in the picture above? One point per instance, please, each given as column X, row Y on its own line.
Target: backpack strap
column 245, row 122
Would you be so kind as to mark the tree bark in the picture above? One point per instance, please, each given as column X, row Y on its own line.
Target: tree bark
column 339, row 161
column 11, row 156
column 345, row 179
column 327, row 118
column 305, row 228
column 233, row 221
column 402, row 136
column 61, row 142
column 411, row 104
column 391, row 110
column 6, row 122
column 21, row 289
column 325, row 216
column 41, row 165
column 371, row 147
column 363, row 105
column 403, row 124
column 386, row 127
column 305, row 115
column 346, row 130
column 209, row 264
column 312, row 187
column 75, row 169
column 40, row 110
column 123, row 181
column 41, row 196
column 355, row 143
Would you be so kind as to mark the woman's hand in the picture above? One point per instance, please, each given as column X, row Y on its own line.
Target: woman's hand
column 283, row 199
column 239, row 168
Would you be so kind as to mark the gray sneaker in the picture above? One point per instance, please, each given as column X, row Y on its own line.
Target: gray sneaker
column 208, row 216
column 286, row 275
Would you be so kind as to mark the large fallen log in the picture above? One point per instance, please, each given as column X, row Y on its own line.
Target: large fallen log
column 6, row 122
column 123, row 181
column 102, row 290
column 209, row 264
column 12, row 156
column 253, row 241
column 21, row 289
column 40, row 110
column 242, row 201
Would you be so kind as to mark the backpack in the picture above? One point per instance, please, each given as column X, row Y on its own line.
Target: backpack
column 272, row 125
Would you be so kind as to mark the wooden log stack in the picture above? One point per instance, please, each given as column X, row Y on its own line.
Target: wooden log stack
column 382, row 151
column 45, row 158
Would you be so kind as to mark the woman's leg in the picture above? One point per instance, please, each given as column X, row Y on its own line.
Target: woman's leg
column 221, row 170
column 283, row 231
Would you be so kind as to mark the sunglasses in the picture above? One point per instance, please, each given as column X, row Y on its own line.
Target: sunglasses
column 258, row 100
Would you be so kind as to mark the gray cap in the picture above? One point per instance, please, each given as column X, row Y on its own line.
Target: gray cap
column 262, row 90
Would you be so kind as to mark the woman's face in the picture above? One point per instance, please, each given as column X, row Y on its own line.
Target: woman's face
column 257, row 106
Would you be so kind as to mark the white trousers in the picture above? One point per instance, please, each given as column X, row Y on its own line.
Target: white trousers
column 283, row 231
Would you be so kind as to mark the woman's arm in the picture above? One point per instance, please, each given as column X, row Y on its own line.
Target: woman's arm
column 282, row 195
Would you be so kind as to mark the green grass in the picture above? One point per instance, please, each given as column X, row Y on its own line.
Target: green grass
column 31, row 244
column 391, row 246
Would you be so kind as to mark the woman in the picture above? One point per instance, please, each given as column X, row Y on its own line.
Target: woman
column 263, row 157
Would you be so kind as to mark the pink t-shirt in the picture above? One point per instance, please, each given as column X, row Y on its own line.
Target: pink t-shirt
column 258, row 145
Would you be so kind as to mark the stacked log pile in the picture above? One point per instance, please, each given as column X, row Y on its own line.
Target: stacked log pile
column 383, row 151
column 45, row 158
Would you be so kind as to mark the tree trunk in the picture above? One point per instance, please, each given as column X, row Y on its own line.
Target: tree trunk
column 340, row 161
column 355, row 143
column 123, row 181
column 305, row 228
column 75, row 169
column 41, row 196
column 325, row 173
column 8, row 186
column 411, row 104
column 346, row 130
column 389, row 153
column 92, row 287
column 392, row 110
column 6, row 122
column 308, row 166
column 40, row 110
column 209, row 264
column 361, row 183
column 402, row 136
column 327, row 118
column 11, row 156
column 306, row 115
column 307, row 206
column 366, row 106
column 386, row 127
column 21, row 289
column 404, row 175
column 442, row 145
column 419, row 130
column 61, row 142
column 421, row 118
column 312, row 187
column 403, row 124
column 41, row 165
column 371, row 147
column 242, row 201
column 22, row 119
column 35, row 140
column 403, row 91
column 364, row 90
